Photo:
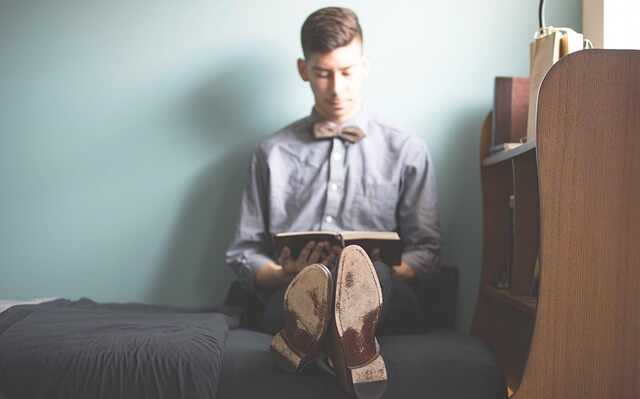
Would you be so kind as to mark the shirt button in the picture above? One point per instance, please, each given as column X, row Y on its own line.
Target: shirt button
column 328, row 219
column 337, row 156
column 333, row 187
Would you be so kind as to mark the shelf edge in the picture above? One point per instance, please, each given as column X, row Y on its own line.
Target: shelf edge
column 509, row 154
column 524, row 304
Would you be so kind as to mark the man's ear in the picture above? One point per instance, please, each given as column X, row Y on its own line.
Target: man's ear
column 365, row 65
column 302, row 64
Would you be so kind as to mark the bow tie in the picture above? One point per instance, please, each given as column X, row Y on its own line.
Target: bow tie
column 327, row 130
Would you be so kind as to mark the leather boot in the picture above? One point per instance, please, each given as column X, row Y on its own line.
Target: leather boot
column 307, row 310
column 353, row 353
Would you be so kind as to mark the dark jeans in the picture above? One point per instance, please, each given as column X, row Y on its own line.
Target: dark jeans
column 400, row 306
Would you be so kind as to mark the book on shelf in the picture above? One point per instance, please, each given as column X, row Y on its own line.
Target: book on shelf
column 510, row 109
column 503, row 147
column 388, row 242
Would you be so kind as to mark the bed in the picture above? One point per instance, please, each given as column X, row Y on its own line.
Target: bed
column 83, row 349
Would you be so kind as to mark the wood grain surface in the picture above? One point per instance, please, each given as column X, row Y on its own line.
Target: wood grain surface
column 586, row 341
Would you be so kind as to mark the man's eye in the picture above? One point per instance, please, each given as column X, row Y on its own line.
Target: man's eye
column 349, row 72
column 322, row 74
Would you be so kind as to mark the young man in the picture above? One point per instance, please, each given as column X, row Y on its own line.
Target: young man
column 337, row 169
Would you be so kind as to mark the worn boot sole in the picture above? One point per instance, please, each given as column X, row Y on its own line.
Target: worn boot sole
column 307, row 308
column 358, row 303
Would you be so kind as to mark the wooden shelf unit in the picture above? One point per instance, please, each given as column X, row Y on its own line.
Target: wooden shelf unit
column 587, row 319
column 505, row 317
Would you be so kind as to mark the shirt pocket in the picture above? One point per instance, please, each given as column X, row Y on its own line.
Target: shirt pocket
column 375, row 204
column 294, row 203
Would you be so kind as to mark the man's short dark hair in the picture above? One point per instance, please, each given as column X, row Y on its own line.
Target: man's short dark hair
column 328, row 29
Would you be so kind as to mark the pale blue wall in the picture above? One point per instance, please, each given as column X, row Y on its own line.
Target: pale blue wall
column 126, row 128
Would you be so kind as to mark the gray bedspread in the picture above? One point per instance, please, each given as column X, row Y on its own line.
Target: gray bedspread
column 437, row 365
column 82, row 349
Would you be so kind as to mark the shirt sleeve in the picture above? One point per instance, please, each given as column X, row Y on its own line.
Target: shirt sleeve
column 251, row 246
column 417, row 215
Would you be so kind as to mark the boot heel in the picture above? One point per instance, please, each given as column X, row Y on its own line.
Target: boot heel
column 369, row 380
column 285, row 357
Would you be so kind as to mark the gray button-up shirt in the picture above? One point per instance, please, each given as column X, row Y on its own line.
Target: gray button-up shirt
column 384, row 182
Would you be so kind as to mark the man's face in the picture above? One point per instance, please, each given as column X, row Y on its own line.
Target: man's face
column 336, row 80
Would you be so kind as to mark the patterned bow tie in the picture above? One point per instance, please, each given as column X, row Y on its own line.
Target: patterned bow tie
column 326, row 130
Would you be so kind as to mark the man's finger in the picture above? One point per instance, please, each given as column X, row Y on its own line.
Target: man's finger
column 306, row 250
column 375, row 254
column 315, row 255
column 301, row 266
column 329, row 260
column 285, row 255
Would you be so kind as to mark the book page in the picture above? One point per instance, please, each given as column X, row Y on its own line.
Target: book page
column 372, row 235
column 306, row 233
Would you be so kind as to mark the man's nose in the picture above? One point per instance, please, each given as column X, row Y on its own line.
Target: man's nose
column 338, row 85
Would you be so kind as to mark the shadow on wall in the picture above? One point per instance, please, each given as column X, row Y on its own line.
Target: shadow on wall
column 230, row 116
column 460, row 214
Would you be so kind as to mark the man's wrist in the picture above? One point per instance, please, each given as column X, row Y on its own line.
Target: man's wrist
column 403, row 272
column 272, row 275
column 284, row 275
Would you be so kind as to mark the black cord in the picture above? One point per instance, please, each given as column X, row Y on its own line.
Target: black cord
column 541, row 14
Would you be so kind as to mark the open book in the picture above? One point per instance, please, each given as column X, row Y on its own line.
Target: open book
column 388, row 241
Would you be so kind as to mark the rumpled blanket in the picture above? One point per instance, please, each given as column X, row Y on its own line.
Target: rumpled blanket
column 83, row 349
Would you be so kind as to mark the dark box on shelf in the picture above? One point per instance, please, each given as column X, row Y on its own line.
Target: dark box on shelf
column 510, row 108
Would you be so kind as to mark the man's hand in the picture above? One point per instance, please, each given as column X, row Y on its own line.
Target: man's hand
column 312, row 252
column 273, row 275
column 402, row 271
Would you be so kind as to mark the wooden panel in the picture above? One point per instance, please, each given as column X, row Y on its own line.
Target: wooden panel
column 485, row 136
column 497, row 186
column 502, row 321
column 527, row 223
column 479, row 324
column 586, row 341
column 509, row 339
